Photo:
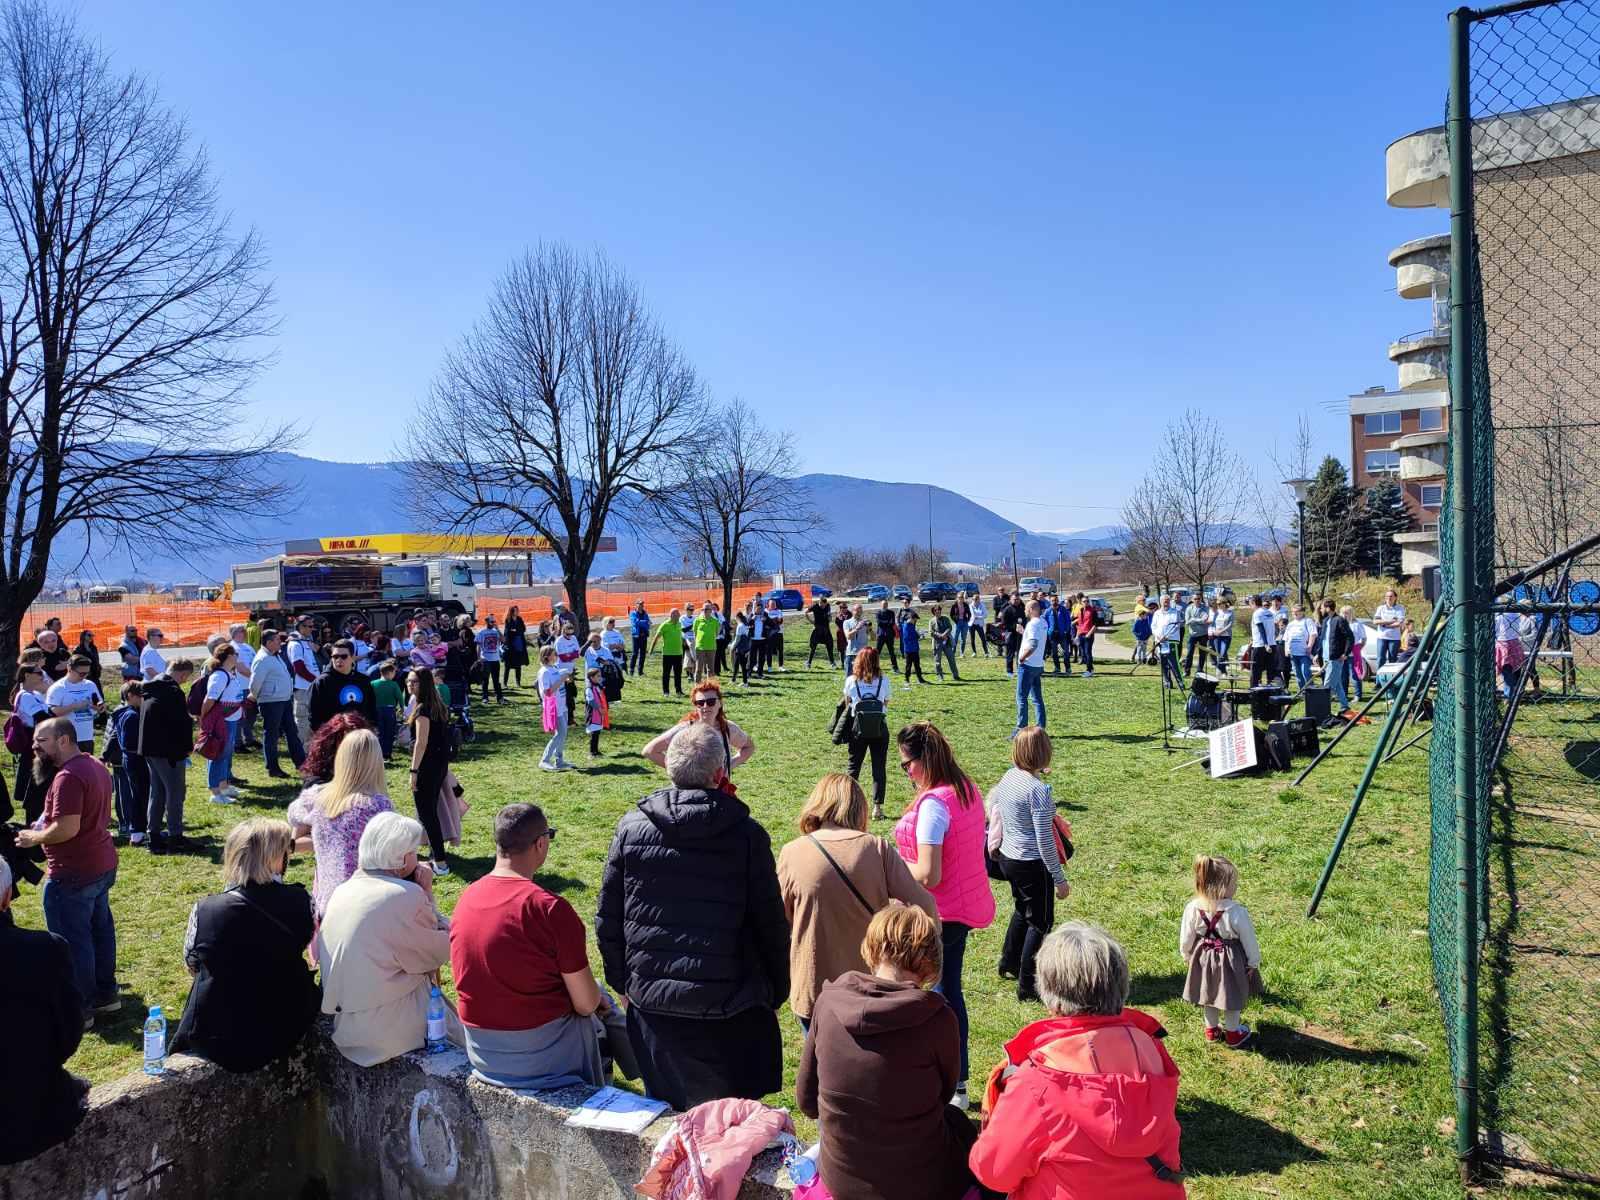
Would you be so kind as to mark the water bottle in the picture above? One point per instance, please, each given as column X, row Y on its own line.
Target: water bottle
column 800, row 1164
column 155, row 1042
column 436, row 1039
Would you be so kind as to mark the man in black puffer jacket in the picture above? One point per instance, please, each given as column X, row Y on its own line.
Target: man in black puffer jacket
column 692, row 930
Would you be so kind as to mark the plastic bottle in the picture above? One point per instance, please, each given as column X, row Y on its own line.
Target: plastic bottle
column 155, row 1042
column 436, row 1039
column 800, row 1164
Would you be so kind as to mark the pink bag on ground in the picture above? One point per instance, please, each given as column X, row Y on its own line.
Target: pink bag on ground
column 552, row 714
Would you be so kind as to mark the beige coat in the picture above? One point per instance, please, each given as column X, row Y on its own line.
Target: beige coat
column 380, row 941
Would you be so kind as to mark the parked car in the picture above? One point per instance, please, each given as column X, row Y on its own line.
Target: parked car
column 967, row 589
column 1102, row 611
column 933, row 589
column 1038, row 583
column 1215, row 592
column 874, row 592
column 820, row 591
column 789, row 599
column 902, row 592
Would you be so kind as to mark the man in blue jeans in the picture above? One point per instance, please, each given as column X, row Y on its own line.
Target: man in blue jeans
column 272, row 687
column 81, row 861
column 639, row 626
column 1030, row 665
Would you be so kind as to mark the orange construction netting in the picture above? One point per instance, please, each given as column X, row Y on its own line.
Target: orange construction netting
column 184, row 622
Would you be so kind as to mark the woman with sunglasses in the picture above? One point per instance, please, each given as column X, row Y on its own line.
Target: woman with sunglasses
column 941, row 837
column 706, row 697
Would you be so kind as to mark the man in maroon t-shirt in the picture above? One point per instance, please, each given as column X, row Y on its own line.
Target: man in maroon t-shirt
column 520, row 958
column 81, row 859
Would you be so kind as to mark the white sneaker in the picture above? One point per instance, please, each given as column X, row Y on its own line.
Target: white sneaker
column 1088, row 674
column 136, row 839
column 544, row 766
column 223, row 798
column 959, row 1100
column 231, row 792
column 439, row 868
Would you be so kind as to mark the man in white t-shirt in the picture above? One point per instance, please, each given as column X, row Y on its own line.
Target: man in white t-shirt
column 1263, row 642
column 1390, row 619
column 75, row 696
column 151, row 663
column 1166, row 623
column 1300, row 640
column 1030, row 665
column 245, row 657
column 301, row 656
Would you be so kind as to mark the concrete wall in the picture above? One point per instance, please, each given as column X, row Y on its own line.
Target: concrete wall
column 416, row 1128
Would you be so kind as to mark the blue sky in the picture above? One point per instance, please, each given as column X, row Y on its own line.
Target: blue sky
column 991, row 248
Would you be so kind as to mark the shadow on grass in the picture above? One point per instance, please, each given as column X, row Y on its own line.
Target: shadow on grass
column 1218, row 1140
column 1148, row 990
column 637, row 767
column 1279, row 1043
column 1133, row 739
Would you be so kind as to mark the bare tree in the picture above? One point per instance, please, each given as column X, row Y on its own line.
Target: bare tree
column 129, row 321
column 1279, row 555
column 565, row 408
column 1152, row 550
column 1196, row 478
column 738, row 494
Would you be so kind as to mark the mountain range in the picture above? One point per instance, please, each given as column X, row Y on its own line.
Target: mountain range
column 339, row 499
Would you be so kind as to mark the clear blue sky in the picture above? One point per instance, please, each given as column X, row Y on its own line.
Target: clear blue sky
column 990, row 248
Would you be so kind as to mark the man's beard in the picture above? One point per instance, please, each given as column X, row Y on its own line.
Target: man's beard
column 44, row 769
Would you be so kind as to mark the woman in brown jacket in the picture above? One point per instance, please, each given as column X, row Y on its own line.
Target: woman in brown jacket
column 834, row 877
column 879, row 1067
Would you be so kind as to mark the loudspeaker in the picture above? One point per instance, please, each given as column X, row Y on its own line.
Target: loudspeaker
column 1319, row 703
column 1303, row 740
column 1278, row 756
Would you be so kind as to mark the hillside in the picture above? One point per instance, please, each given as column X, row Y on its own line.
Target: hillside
column 347, row 498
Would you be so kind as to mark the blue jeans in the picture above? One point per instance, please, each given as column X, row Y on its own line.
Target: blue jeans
column 1302, row 668
column 80, row 914
column 1085, row 653
column 1334, row 674
column 220, row 768
column 961, row 636
column 1030, row 682
column 388, row 726
column 277, row 717
column 556, row 749
column 1170, row 674
column 641, row 646
column 1220, row 646
column 1387, row 650
column 954, row 936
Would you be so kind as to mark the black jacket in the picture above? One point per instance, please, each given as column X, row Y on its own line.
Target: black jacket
column 40, row 1103
column 253, row 996
column 1344, row 638
column 691, row 922
column 334, row 693
column 166, row 730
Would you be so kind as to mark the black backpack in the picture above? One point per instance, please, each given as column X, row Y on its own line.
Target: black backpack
column 871, row 719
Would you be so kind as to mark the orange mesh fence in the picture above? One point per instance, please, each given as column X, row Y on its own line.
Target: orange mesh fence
column 184, row 622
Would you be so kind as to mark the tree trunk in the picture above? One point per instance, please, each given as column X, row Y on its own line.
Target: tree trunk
column 577, row 585
column 727, row 601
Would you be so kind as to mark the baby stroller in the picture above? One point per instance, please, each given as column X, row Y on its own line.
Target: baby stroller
column 461, row 729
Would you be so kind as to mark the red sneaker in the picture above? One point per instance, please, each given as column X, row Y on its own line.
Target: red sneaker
column 1238, row 1037
column 1213, row 1033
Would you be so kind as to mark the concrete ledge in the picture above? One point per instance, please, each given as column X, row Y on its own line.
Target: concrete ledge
column 318, row 1126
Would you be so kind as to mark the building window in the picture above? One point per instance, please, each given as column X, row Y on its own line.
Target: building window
column 1383, row 462
column 1380, row 423
column 1432, row 495
column 1430, row 419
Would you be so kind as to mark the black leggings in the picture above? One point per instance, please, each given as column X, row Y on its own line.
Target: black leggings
column 823, row 638
column 879, row 749
column 425, row 795
column 914, row 663
column 671, row 669
column 741, row 660
column 887, row 641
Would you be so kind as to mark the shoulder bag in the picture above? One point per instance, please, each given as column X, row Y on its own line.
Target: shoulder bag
column 854, row 891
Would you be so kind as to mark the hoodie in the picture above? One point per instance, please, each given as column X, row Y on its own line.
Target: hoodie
column 877, row 1071
column 166, row 730
column 1083, row 1108
column 691, row 922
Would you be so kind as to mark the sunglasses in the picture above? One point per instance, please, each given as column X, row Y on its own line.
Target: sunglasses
column 550, row 832
column 906, row 764
column 708, row 702
column 340, row 655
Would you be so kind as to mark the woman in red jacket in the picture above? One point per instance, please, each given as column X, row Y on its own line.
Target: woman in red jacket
column 1085, row 1106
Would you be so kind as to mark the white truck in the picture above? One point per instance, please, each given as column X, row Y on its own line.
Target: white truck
column 347, row 590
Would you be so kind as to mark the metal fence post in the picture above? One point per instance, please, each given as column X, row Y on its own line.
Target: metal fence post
column 1467, row 599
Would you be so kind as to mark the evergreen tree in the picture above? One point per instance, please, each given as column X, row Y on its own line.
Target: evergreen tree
column 1333, row 523
column 1384, row 514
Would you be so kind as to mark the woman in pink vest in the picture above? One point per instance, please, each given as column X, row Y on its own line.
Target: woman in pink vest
column 941, row 837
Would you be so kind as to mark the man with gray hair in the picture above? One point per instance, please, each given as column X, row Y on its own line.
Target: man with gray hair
column 692, row 930
column 380, row 942
column 41, row 1104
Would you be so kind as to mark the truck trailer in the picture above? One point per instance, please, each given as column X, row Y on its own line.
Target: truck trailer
column 349, row 590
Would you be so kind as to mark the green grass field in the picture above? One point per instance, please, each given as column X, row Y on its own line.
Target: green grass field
column 1345, row 1095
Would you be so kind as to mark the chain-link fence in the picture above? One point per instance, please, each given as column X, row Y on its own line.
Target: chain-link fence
column 1520, row 841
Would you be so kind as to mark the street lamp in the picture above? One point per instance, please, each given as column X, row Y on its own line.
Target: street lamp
column 1301, row 489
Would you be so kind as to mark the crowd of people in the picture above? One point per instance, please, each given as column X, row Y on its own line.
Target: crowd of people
column 704, row 933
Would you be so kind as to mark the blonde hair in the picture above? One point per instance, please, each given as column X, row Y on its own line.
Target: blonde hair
column 905, row 937
column 357, row 772
column 836, row 800
column 1032, row 750
column 255, row 851
column 1214, row 878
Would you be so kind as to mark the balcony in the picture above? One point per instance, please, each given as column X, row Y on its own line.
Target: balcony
column 1421, row 454
column 1424, row 360
column 1421, row 265
column 1417, row 550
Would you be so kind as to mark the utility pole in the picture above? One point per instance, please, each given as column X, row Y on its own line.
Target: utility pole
column 931, row 572
column 1016, row 574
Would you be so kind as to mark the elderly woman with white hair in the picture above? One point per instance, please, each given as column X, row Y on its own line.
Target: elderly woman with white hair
column 1086, row 1103
column 253, row 997
column 381, row 944
column 692, row 929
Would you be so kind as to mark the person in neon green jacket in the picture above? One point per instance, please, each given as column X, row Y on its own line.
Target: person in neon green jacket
column 706, row 627
column 669, row 636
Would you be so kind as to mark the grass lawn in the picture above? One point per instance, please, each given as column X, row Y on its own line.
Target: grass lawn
column 1346, row 1094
